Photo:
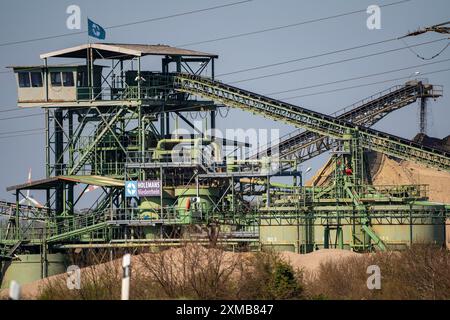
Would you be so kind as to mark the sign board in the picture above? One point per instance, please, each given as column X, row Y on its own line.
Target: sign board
column 131, row 189
column 149, row 188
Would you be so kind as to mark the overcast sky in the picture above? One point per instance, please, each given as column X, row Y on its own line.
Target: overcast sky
column 22, row 20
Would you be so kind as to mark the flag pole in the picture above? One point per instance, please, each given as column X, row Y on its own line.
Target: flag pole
column 88, row 60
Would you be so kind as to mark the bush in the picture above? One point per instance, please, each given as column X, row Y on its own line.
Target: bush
column 190, row 272
column 99, row 282
column 269, row 277
column 284, row 284
column 195, row 272
column 420, row 272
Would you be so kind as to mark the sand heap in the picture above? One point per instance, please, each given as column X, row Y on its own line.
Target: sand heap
column 393, row 171
column 311, row 261
column 405, row 172
column 390, row 171
column 308, row 262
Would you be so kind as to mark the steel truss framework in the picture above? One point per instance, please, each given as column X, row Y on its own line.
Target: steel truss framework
column 304, row 145
column 104, row 140
column 312, row 121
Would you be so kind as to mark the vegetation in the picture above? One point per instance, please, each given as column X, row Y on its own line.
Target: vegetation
column 194, row 272
column 190, row 272
column 420, row 272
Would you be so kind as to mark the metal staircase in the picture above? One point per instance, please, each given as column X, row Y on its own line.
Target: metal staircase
column 100, row 134
column 95, row 220
column 303, row 145
column 8, row 251
column 310, row 120
column 91, row 226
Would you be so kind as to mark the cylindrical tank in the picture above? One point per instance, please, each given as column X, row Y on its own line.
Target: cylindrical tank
column 187, row 201
column 281, row 238
column 400, row 236
column 150, row 208
column 27, row 268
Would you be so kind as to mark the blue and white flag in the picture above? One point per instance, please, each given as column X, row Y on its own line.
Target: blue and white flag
column 95, row 30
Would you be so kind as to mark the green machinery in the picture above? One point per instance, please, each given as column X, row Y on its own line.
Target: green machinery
column 127, row 125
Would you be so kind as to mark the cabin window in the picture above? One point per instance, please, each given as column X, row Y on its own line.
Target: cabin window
column 36, row 79
column 68, row 79
column 24, row 79
column 55, row 78
column 81, row 79
column 62, row 79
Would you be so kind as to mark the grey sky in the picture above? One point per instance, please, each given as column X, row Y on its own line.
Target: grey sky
column 22, row 19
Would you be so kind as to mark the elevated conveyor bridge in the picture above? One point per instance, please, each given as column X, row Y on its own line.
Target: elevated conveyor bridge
column 303, row 145
column 316, row 122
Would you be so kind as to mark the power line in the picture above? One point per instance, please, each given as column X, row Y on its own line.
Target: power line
column 325, row 54
column 287, row 26
column 18, row 135
column 305, row 58
column 360, row 77
column 287, row 98
column 293, row 60
column 127, row 24
column 422, row 57
column 12, row 109
column 360, row 85
column 25, row 116
column 308, row 87
column 240, row 35
column 21, row 131
column 179, row 14
column 334, row 62
column 229, row 37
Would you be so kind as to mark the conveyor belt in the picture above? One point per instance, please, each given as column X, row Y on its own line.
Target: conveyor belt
column 303, row 145
column 313, row 121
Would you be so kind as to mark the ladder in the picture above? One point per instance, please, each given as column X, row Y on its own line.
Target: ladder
column 100, row 134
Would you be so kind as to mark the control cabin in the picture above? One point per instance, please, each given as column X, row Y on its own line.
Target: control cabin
column 54, row 84
column 125, row 82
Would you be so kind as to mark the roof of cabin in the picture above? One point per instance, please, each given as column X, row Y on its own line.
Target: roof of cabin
column 124, row 51
column 41, row 66
column 52, row 182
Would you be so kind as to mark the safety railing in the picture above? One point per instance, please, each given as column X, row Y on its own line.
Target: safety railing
column 121, row 94
column 365, row 111
column 9, row 208
column 116, row 168
column 417, row 191
column 27, row 231
column 207, row 162
column 191, row 157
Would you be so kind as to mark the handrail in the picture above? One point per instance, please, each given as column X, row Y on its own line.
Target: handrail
column 314, row 121
column 363, row 112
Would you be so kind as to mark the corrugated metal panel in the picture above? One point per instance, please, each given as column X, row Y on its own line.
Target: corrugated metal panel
column 124, row 51
column 55, row 181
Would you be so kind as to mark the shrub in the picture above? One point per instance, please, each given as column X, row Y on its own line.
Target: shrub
column 189, row 272
column 420, row 272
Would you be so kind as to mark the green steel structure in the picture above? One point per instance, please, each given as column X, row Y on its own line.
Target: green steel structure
column 303, row 145
column 119, row 129
column 312, row 121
